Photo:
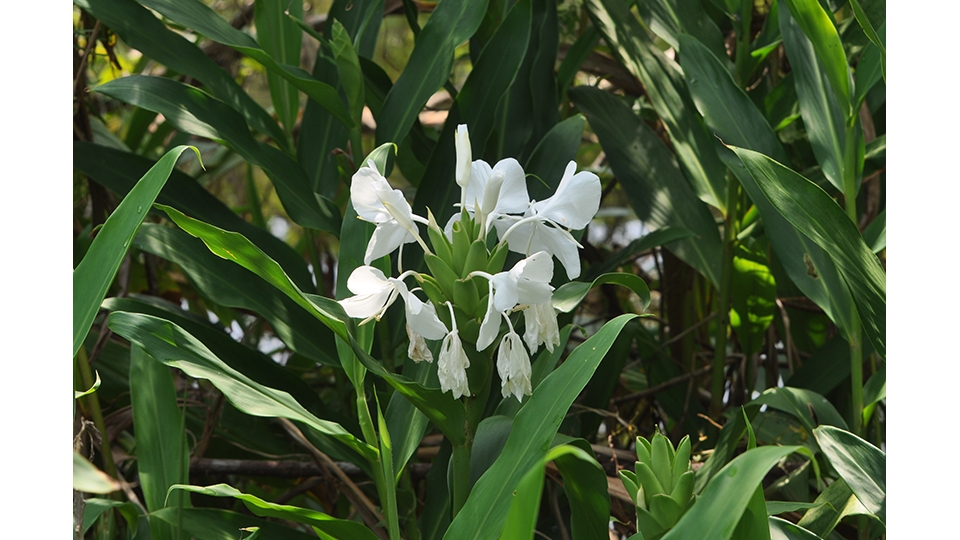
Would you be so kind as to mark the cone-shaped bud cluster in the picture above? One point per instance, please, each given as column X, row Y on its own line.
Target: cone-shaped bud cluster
column 661, row 485
column 469, row 297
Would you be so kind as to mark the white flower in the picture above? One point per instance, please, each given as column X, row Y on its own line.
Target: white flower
column 375, row 201
column 544, row 225
column 453, row 363
column 494, row 192
column 540, row 321
column 513, row 365
column 528, row 282
column 374, row 293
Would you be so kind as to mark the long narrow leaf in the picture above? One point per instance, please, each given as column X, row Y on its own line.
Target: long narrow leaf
column 95, row 273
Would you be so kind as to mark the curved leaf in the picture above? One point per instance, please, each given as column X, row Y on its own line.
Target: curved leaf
column 814, row 214
column 781, row 529
column 725, row 498
column 196, row 15
column 651, row 178
column 818, row 25
column 569, row 295
column 535, row 425
column 196, row 112
column 142, row 30
column 338, row 529
column 170, row 345
column 862, row 465
column 429, row 66
column 216, row 524
column 95, row 273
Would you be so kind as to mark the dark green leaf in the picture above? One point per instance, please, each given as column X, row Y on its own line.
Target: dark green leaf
column 862, row 465
column 818, row 25
column 812, row 212
column 95, row 273
column 551, row 156
column 568, row 296
column 195, row 112
column 651, row 178
column 535, row 425
column 216, row 524
column 280, row 38
column 781, row 529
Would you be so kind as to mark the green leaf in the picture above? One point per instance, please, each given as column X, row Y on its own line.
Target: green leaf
column 818, row 25
column 876, row 388
column 831, row 506
column 535, row 425
column 870, row 68
column 348, row 69
column 799, row 402
column 812, row 212
column 95, row 273
column 198, row 113
column 823, row 116
column 96, row 384
column 659, row 237
column 669, row 96
column 552, row 154
column 441, row 408
column 89, row 479
column 871, row 33
column 522, row 517
column 491, row 77
column 117, row 170
column 862, row 465
column 876, row 233
column 429, row 66
column 569, row 295
column 170, row 345
column 754, row 524
column 781, row 529
column 280, row 38
column 215, row 524
column 724, row 500
column 196, row 15
column 229, row 285
column 754, row 292
column 651, row 178
column 162, row 454
column 335, row 528
column 142, row 30
column 94, row 507
column 670, row 18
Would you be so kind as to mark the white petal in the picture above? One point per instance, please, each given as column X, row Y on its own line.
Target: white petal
column 513, row 197
column 576, row 201
column 490, row 326
column 505, row 290
column 479, row 174
column 464, row 155
column 561, row 245
column 364, row 189
column 491, row 192
column 386, row 238
column 541, row 326
column 422, row 318
column 367, row 280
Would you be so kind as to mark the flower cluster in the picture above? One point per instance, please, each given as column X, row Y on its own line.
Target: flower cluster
column 468, row 294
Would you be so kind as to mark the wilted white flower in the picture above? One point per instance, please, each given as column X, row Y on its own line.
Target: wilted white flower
column 540, row 321
column 528, row 282
column 513, row 365
column 418, row 350
column 453, row 363
column 544, row 225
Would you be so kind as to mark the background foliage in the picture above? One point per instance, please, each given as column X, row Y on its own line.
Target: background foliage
column 741, row 148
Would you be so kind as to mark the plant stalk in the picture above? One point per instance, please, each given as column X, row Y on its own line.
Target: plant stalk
column 726, row 276
column 856, row 344
column 461, row 476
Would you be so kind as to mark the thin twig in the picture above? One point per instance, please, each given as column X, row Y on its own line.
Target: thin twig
column 669, row 383
column 789, row 336
column 686, row 331
column 86, row 54
column 368, row 511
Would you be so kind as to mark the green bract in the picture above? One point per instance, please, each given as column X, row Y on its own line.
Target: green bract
column 661, row 485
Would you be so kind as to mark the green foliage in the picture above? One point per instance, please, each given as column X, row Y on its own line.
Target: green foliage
column 739, row 152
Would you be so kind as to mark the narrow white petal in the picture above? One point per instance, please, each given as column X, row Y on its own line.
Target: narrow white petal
column 576, row 201
column 479, row 175
column 490, row 326
column 464, row 155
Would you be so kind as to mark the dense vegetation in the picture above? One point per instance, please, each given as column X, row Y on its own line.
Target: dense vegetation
column 312, row 241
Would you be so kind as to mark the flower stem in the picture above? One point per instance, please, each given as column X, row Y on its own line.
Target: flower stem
column 723, row 303
column 849, row 176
